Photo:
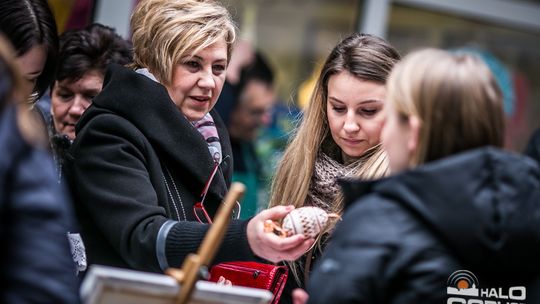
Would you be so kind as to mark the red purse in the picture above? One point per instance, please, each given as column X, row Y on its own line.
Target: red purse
column 253, row 274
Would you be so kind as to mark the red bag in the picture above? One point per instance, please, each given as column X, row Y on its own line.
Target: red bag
column 253, row 274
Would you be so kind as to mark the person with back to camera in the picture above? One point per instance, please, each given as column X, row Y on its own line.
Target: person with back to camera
column 35, row 264
column 453, row 203
column 339, row 135
column 82, row 60
column 150, row 142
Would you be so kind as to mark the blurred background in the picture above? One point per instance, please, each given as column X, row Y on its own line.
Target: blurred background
column 296, row 35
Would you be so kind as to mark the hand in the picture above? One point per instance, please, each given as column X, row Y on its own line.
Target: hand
column 270, row 246
column 299, row 296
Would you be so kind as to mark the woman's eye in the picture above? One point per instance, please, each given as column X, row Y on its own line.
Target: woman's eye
column 65, row 96
column 370, row 112
column 218, row 68
column 338, row 109
column 32, row 80
column 192, row 64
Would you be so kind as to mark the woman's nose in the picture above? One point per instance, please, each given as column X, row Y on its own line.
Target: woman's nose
column 351, row 125
column 78, row 107
column 207, row 80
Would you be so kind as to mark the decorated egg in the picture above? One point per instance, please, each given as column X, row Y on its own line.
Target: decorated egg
column 308, row 221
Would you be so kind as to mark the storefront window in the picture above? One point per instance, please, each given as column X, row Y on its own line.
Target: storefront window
column 512, row 55
column 294, row 35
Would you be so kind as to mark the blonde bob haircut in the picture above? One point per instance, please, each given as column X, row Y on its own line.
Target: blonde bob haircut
column 165, row 32
column 455, row 98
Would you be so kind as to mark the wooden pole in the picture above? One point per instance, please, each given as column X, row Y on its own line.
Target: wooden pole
column 187, row 277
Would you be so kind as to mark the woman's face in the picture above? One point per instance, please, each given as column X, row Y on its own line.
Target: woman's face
column 197, row 81
column 354, row 111
column 31, row 64
column 70, row 99
column 395, row 139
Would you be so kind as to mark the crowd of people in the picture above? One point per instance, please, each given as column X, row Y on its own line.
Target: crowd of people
column 119, row 153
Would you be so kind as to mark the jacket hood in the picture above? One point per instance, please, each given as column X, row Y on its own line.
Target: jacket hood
column 484, row 205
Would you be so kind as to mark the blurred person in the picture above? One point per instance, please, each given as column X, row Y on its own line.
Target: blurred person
column 151, row 162
column 35, row 260
column 453, row 203
column 82, row 60
column 339, row 134
column 30, row 27
column 242, row 56
column 250, row 112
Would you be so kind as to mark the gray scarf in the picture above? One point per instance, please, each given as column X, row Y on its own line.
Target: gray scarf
column 323, row 188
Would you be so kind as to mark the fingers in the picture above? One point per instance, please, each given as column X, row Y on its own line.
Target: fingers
column 299, row 296
column 296, row 252
column 276, row 213
column 270, row 246
column 292, row 254
column 281, row 243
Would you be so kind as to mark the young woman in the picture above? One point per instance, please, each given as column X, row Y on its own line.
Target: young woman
column 30, row 27
column 453, row 204
column 340, row 133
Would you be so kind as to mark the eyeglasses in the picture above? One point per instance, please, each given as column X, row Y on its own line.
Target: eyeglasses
column 200, row 212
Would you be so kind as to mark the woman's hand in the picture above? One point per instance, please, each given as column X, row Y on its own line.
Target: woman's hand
column 299, row 296
column 270, row 246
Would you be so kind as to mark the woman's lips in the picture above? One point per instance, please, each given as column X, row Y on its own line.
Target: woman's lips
column 200, row 98
column 352, row 141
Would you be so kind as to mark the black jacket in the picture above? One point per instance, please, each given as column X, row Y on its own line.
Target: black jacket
column 35, row 216
column 400, row 243
column 533, row 146
column 137, row 167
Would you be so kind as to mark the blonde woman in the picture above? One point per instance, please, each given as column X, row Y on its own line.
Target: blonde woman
column 457, row 215
column 340, row 132
column 151, row 162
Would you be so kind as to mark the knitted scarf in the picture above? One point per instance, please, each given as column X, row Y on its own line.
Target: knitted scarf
column 323, row 188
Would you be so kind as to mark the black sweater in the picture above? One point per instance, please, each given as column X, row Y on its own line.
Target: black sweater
column 136, row 168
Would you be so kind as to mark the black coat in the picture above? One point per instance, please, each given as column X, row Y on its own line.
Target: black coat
column 533, row 146
column 35, row 216
column 477, row 211
column 136, row 168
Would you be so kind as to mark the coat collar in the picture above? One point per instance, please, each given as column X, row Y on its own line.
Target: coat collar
column 147, row 105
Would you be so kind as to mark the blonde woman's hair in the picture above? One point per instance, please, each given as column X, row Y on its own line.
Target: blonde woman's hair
column 167, row 31
column 366, row 57
column 454, row 96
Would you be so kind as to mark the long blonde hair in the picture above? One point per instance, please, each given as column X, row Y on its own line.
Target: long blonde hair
column 454, row 96
column 364, row 56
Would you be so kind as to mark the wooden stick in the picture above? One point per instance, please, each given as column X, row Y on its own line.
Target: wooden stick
column 215, row 234
column 188, row 276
